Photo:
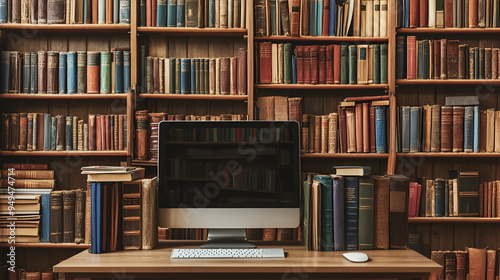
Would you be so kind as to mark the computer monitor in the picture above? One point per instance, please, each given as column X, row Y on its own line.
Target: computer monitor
column 228, row 176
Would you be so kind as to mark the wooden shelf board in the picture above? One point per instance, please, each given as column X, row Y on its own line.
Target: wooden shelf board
column 64, row 96
column 63, row 153
column 447, row 82
column 449, row 155
column 139, row 162
column 48, row 245
column 194, row 97
column 431, row 220
column 187, row 31
column 320, row 86
column 347, row 156
column 321, row 39
column 473, row 31
column 67, row 28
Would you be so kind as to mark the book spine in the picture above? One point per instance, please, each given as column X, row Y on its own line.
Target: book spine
column 381, row 212
column 401, row 57
column 119, row 73
column 56, row 11
column 352, row 206
column 105, row 73
column 141, row 134
column 224, row 75
column 47, row 131
column 80, row 201
column 458, row 129
column 338, row 213
column 101, row 11
column 376, row 64
column 42, row 11
column 380, row 129
column 81, row 72
column 332, row 132
column 468, row 129
column 411, row 58
column 69, row 133
column 326, row 223
column 181, row 22
column 125, row 12
column 69, row 216
column 405, row 129
column 126, row 71
column 287, row 65
column 62, row 73
column 414, row 129
column 29, row 141
column 324, row 134
column 45, row 218
column 56, row 217
column 161, row 13
column 475, row 126
column 52, row 72
column 71, row 72
column 353, row 65
column 185, row 83
column 446, row 129
column 233, row 75
column 23, row 131
column 435, row 128
column 26, row 72
column 93, row 72
column 329, row 64
column 366, row 215
column 58, row 134
column 439, row 197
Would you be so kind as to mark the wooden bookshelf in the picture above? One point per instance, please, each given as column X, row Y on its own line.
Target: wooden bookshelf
column 449, row 31
column 64, row 153
column 194, row 97
column 322, row 39
column 458, row 82
column 48, row 245
column 187, row 31
column 459, row 220
column 450, row 155
column 64, row 96
column 67, row 28
column 346, row 156
column 319, row 86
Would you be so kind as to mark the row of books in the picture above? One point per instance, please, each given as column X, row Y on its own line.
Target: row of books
column 448, row 14
column 353, row 213
column 321, row 64
column 65, row 12
column 472, row 263
column 21, row 273
column 366, row 18
column 65, row 72
column 193, row 13
column 489, row 199
column 224, row 76
column 444, row 59
column 43, row 132
column 147, row 128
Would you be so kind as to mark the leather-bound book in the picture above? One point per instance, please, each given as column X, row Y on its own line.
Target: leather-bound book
column 473, row 13
column 269, row 234
column 42, row 72
column 233, row 76
column 32, row 276
column 260, row 18
column 446, row 129
column 438, row 257
column 265, row 62
column 481, row 197
column 332, row 132
column 497, row 131
column 317, row 134
column 366, row 127
column 448, row 13
column 372, row 130
column 225, row 83
column 56, row 217
column 366, row 213
column 295, row 18
column 490, row 130
column 42, row 11
column 307, row 64
column 490, row 265
column 325, row 31
column 324, row 134
column 363, row 64
column 28, row 174
column 61, row 129
column 494, row 63
column 295, row 109
column 29, row 140
column 444, row 58
column 461, row 262
column 359, row 127
column 30, row 183
column 481, row 63
column 381, row 213
column 477, row 263
column 79, row 219
column 75, row 132
column 414, row 13
column 88, row 214
column 15, row 11
column 81, row 72
column 5, row 131
column 47, row 275
column 131, row 215
column 458, row 129
column 342, row 129
column 99, row 132
column 482, row 131
column 401, row 57
column 299, row 57
column 285, row 21
column 121, row 138
column 462, row 62
column 93, row 72
column 23, row 131
column 351, row 215
column 154, row 120
column 322, row 65
column 305, row 134
column 155, row 75
column 92, row 132
column 336, row 64
column 481, row 13
column 487, row 199
column 398, row 211
column 350, row 129
column 427, row 128
column 141, row 133
column 338, row 213
column 487, row 63
column 68, row 216
column 411, row 58
column 56, row 10
column 242, row 72
column 40, row 132
column 314, row 64
column 423, row 13
column 471, row 63
column 437, row 59
column 450, row 265
column 266, row 108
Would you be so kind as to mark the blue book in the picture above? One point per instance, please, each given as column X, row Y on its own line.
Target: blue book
column 446, row 197
column 125, row 132
column 116, row 11
column 351, row 208
column 407, row 13
column 476, row 128
column 193, row 76
column 211, row 13
column 93, row 218
column 53, row 133
column 181, row 7
column 3, row 11
column 312, row 18
column 172, row 75
column 45, row 218
column 326, row 237
column 405, row 129
column 126, row 71
column 319, row 18
column 101, row 11
column 172, row 13
column 71, row 71
column 85, row 11
column 161, row 13
column 34, row 72
column 414, row 129
column 274, row 28
column 98, row 210
column 380, row 129
column 333, row 16
column 439, row 197
column 469, row 129
column 119, row 84
column 294, row 69
column 185, row 76
column 69, row 133
column 27, row 72
column 4, row 71
column 338, row 213
column 62, row 72
column 47, row 119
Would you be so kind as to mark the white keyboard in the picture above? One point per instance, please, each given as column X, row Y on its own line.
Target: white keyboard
column 226, row 253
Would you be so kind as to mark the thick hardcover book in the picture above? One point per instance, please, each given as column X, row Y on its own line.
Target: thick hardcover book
column 118, row 77
column 446, row 129
column 477, row 263
column 438, row 257
column 458, row 128
column 317, row 134
column 93, row 72
column 381, row 212
column 14, row 131
column 52, row 72
column 81, row 72
column 225, row 83
column 359, row 127
column 125, row 12
column 481, row 13
column 490, row 130
column 450, row 265
column 322, row 64
column 62, row 72
column 461, row 265
column 29, row 141
column 468, row 192
column 444, row 58
column 260, row 18
column 468, row 130
column 30, row 183
column 192, row 13
column 373, row 137
column 265, row 62
column 332, row 132
column 185, row 73
column 314, row 63
column 476, row 128
column 487, row 63
column 56, row 217
column 80, row 201
column 149, row 210
column 68, row 216
column 414, row 129
column 401, row 57
column 366, row 127
column 376, row 64
column 350, row 130
column 491, row 264
column 336, row 64
column 405, row 129
column 33, row 73
column 344, row 64
column 463, row 61
column 141, row 134
column 380, row 129
column 299, row 55
column 414, row 13
column 56, row 10
column 435, row 128
column 326, row 243
column 324, row 134
column 305, row 134
column 351, row 208
column 26, row 72
column 481, row 63
column 131, row 215
column 23, row 131
column 452, row 59
column 154, row 120
column 60, row 137
column 45, row 218
column 366, row 213
column 287, row 63
column 42, row 72
column 353, row 64
column 342, row 129
column 398, row 216
column 411, row 57
column 105, row 73
column 92, row 132
column 362, row 67
column 338, row 213
column 68, row 136
column 285, row 21
column 426, row 138
column 439, row 189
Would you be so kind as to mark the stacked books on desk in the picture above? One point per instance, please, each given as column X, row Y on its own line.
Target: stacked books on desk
column 350, row 210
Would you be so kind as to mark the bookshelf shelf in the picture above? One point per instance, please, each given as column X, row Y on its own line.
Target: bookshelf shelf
column 64, row 153
column 139, row 162
column 458, row 82
column 449, row 31
column 64, row 96
column 67, row 28
column 195, row 97
column 450, row 155
column 186, row 31
column 320, row 86
column 48, row 245
column 306, row 39
column 346, row 156
column 432, row 220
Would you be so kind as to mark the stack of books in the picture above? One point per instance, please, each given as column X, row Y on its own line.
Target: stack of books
column 489, row 199
column 350, row 210
column 473, row 263
column 65, row 72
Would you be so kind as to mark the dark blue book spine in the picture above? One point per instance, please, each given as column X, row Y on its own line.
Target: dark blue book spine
column 185, row 76
column 34, row 73
column 439, row 197
column 99, row 225
column 172, row 75
column 119, row 84
column 53, row 133
column 414, row 128
column 47, row 131
column 62, row 72
column 380, row 130
column 446, row 198
column 125, row 11
column 333, row 16
column 469, row 129
column 211, row 13
column 126, row 71
column 3, row 11
column 400, row 57
column 294, row 69
column 142, row 13
column 125, row 132
column 181, row 21
column 69, row 133
column 93, row 218
column 312, row 18
column 476, row 129
column 71, row 73
column 193, row 75
column 27, row 72
column 45, row 218
column 326, row 238
column 197, row 76
column 405, row 137
column 351, row 206
column 4, row 71
column 338, row 213
column 172, row 13
column 161, row 13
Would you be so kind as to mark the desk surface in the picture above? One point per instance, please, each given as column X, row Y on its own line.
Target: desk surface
column 158, row 261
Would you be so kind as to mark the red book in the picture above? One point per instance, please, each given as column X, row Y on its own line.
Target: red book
column 314, row 64
column 366, row 127
column 307, row 64
column 93, row 72
column 410, row 58
column 112, row 129
column 359, row 127
column 265, row 63
column 242, row 72
column 448, row 13
column 107, row 131
column 336, row 64
column 367, row 98
column 299, row 58
column 329, row 64
column 423, row 13
column 322, row 64
column 373, row 143
column 461, row 265
column 458, row 128
column 40, row 136
column 437, row 59
column 412, row 203
column 295, row 18
column 414, row 17
column 233, row 76
column 342, row 130
column 148, row 12
column 153, row 12
column 225, row 75
column 326, row 17
column 98, row 133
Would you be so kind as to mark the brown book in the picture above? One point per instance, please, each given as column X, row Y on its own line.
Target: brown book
column 438, row 257
column 79, row 230
column 23, row 131
column 305, row 134
column 427, row 116
column 285, row 234
column 299, row 55
column 324, row 133
column 156, row 75
column 88, row 214
column 25, row 166
column 242, row 72
column 5, row 131
column 225, row 83
column 446, row 128
column 481, row 13
column 332, row 132
column 56, row 11
column 450, row 265
column 121, row 140
column 317, row 134
column 481, row 63
column 487, row 63
column 266, row 107
column 312, row 132
column 448, row 13
column 366, row 127
column 497, row 199
column 27, row 174
column 482, row 132
column 359, row 127
column 295, row 18
column 68, row 216
column 150, row 77
column 314, row 64
column 42, row 72
column 481, row 198
column 56, row 217
column 497, row 131
column 461, row 273
column 233, row 76
column 315, row 218
column 414, row 13
column 85, row 137
column 350, row 130
column 477, row 263
column 285, row 22
column 398, row 227
column 75, row 132
column 61, row 135
column 490, row 264
column 131, row 215
column 295, row 109
column 452, row 57
column 329, row 64
column 33, row 275
column 92, row 132
column 488, row 195
column 14, row 131
column 336, row 64
column 307, row 64
column 304, row 17
column 93, row 72
column 141, row 134
column 154, row 120
column 444, row 58
column 30, row 183
column 254, row 234
column 381, row 212
column 490, row 130
column 458, row 128
column 471, row 63
column 463, row 61
column 322, row 64
column 281, row 108
column 437, row 59
column 473, row 13
column 269, row 234
column 494, row 63
column 52, row 71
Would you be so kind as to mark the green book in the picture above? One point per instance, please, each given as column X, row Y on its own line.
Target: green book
column 383, row 64
column 274, row 30
column 178, row 76
column 365, row 220
column 326, row 243
column 197, row 67
column 306, row 195
column 105, row 69
column 420, row 59
column 287, row 63
column 353, row 62
column 172, row 76
column 202, row 77
column 376, row 64
column 344, row 64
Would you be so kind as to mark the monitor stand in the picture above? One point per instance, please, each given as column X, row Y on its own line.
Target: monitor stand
column 227, row 239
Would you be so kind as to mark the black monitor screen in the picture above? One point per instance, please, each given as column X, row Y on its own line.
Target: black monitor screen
column 229, row 164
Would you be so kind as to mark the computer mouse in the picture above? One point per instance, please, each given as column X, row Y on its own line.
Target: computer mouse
column 356, row 257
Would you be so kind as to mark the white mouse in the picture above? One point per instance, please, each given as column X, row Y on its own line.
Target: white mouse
column 356, row 257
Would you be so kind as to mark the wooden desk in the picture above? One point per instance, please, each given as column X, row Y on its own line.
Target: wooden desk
column 299, row 264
